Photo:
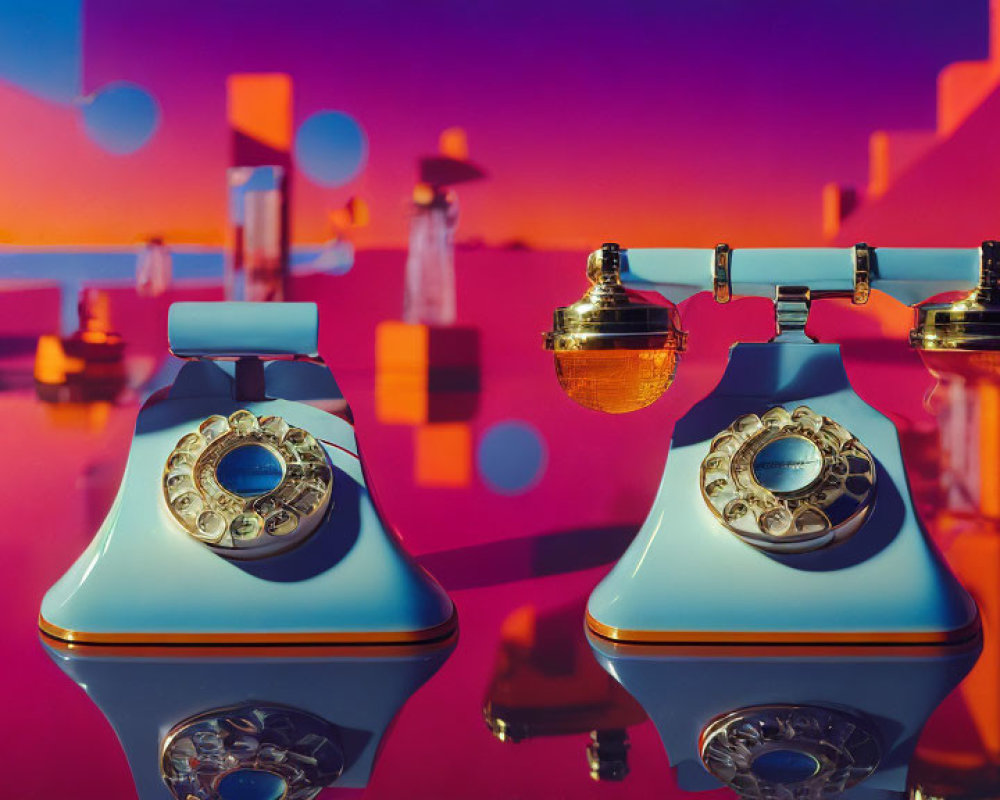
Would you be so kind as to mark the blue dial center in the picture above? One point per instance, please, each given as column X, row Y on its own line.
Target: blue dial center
column 252, row 784
column 787, row 464
column 249, row 470
column 785, row 766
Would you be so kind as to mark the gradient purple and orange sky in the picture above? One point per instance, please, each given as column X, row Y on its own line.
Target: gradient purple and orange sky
column 652, row 123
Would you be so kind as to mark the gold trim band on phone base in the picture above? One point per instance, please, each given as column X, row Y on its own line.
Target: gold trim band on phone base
column 963, row 635
column 349, row 638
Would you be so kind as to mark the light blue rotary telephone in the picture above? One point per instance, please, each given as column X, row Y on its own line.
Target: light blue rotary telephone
column 244, row 520
column 244, row 516
column 781, row 615
column 783, row 514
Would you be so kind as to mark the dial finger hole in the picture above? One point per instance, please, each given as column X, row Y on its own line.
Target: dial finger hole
column 243, row 422
column 775, row 522
column 246, row 527
column 281, row 523
column 776, row 417
column 187, row 505
column 214, row 427
column 192, row 442
column 275, row 427
column 211, row 525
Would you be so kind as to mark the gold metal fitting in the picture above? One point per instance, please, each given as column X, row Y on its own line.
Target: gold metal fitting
column 863, row 261
column 972, row 323
column 614, row 352
column 722, row 278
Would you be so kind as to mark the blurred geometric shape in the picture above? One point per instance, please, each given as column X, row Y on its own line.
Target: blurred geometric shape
column 259, row 106
column 244, row 180
column 51, row 364
column 73, row 415
column 41, row 47
column 330, row 148
column 454, row 143
column 89, row 365
column 974, row 555
column 511, row 457
column 335, row 258
column 263, row 252
column 838, row 202
column 401, row 363
column 259, row 112
column 120, row 117
column 962, row 87
column 989, row 453
column 444, row 171
column 945, row 198
column 423, row 194
column 401, row 398
column 353, row 214
column 545, row 682
column 523, row 557
column 425, row 373
column 360, row 211
column 934, row 187
column 443, row 455
column 258, row 232
column 890, row 153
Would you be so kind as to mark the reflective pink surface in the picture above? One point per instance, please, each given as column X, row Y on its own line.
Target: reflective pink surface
column 495, row 553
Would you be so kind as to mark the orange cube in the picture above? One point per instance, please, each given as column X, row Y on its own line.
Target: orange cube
column 443, row 455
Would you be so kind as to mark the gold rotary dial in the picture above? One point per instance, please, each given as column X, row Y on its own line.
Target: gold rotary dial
column 788, row 481
column 791, row 751
column 251, row 751
column 248, row 486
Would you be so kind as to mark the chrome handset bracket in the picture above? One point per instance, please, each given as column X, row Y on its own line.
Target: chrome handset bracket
column 791, row 312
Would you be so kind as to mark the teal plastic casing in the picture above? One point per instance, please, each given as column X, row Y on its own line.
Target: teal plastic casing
column 144, row 696
column 686, row 577
column 143, row 579
column 704, row 629
column 892, row 691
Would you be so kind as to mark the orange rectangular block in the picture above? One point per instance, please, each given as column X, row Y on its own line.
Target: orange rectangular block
column 401, row 346
column 425, row 373
column 401, row 378
column 989, row 450
column 401, row 398
column 443, row 455
column 259, row 105
column 975, row 558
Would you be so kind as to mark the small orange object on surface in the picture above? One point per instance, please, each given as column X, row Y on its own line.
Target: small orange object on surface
column 443, row 455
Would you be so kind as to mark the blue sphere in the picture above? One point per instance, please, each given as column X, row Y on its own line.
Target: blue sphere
column 330, row 148
column 511, row 457
column 120, row 117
